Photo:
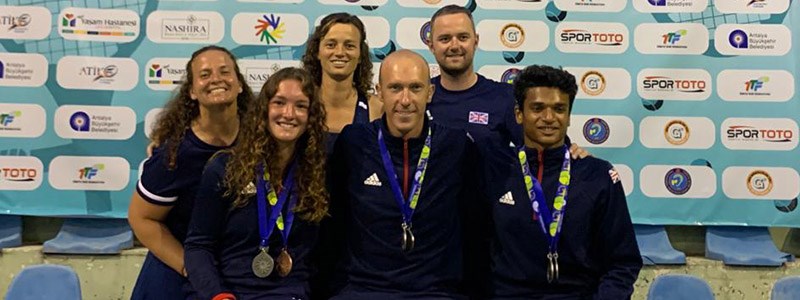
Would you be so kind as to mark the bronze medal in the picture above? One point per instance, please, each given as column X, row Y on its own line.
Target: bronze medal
column 284, row 263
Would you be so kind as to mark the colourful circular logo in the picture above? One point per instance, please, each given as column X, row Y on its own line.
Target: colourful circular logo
column 759, row 182
column 596, row 131
column 425, row 32
column 593, row 83
column 676, row 132
column 678, row 181
column 509, row 75
column 512, row 35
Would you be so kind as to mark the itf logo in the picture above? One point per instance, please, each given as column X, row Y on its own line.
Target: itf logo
column 509, row 75
column 87, row 173
column 738, row 39
column 79, row 121
column 425, row 32
column 155, row 71
column 678, row 181
column 68, row 20
column 270, row 29
column 673, row 37
column 755, row 84
column 7, row 118
column 596, row 130
column 657, row 2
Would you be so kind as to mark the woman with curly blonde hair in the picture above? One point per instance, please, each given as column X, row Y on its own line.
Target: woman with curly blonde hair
column 201, row 119
column 259, row 204
column 338, row 58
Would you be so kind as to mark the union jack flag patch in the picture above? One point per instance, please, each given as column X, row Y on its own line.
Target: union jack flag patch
column 476, row 117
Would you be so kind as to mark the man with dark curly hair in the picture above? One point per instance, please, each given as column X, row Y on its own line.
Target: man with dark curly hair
column 561, row 226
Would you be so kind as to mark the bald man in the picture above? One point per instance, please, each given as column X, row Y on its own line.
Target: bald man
column 400, row 187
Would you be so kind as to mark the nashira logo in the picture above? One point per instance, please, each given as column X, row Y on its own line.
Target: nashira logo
column 270, row 29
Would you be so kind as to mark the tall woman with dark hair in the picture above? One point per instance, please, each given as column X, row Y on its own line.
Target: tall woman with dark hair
column 338, row 58
column 259, row 204
column 202, row 118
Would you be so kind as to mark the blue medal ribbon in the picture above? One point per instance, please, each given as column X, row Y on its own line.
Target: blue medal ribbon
column 550, row 222
column 407, row 207
column 276, row 203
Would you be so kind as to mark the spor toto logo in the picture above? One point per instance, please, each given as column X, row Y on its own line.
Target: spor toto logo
column 593, row 83
column 509, row 75
column 596, row 130
column 759, row 182
column 676, row 132
column 582, row 36
column 678, row 181
column 512, row 35
column 80, row 121
column 425, row 32
column 663, row 83
column 18, row 174
column 752, row 133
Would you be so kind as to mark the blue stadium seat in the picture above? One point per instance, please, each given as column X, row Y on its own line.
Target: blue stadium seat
column 679, row 287
column 655, row 247
column 745, row 246
column 10, row 231
column 787, row 288
column 45, row 282
column 91, row 236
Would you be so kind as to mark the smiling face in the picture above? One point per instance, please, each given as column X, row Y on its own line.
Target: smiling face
column 340, row 51
column 453, row 42
column 288, row 112
column 405, row 89
column 544, row 117
column 214, row 80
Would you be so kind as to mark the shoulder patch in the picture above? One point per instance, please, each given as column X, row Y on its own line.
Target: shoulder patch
column 614, row 175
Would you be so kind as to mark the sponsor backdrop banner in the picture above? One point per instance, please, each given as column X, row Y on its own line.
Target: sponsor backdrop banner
column 693, row 101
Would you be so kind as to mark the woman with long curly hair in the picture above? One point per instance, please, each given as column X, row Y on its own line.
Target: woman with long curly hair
column 260, row 203
column 201, row 119
column 338, row 58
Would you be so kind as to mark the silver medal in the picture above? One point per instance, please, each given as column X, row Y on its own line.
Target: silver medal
column 408, row 238
column 263, row 263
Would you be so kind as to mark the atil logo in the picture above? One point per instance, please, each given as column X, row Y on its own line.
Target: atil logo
column 7, row 118
column 2, row 69
column 68, row 20
column 756, row 3
column 21, row 21
column 270, row 29
column 673, row 37
column 755, row 84
column 657, row 2
column 106, row 72
column 90, row 172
